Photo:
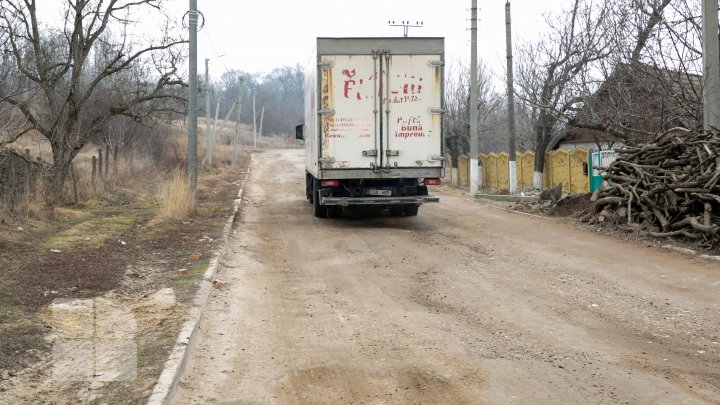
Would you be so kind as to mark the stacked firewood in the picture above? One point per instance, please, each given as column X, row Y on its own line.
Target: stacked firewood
column 668, row 188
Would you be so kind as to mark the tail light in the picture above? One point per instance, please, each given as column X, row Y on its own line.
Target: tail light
column 330, row 183
column 432, row 182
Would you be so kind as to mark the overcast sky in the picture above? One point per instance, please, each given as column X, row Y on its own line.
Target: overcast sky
column 260, row 35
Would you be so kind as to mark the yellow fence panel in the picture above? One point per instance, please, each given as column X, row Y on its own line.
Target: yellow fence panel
column 527, row 168
column 579, row 178
column 463, row 166
column 560, row 166
column 492, row 176
column 560, row 169
column 503, row 172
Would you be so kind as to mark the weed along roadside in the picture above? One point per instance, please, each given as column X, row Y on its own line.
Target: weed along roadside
column 92, row 299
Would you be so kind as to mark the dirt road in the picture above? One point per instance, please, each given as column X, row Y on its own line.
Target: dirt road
column 463, row 304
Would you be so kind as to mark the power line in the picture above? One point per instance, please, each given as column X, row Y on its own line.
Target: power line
column 217, row 53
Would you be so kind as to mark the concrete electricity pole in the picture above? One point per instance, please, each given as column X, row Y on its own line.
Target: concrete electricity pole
column 236, row 137
column 192, row 108
column 254, row 125
column 711, row 65
column 511, row 100
column 262, row 116
column 207, row 101
column 473, row 101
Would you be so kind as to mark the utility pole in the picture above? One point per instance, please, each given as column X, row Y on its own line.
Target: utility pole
column 254, row 125
column 193, row 110
column 711, row 65
column 473, row 101
column 262, row 115
column 510, row 100
column 236, row 138
column 207, row 102
column 211, row 136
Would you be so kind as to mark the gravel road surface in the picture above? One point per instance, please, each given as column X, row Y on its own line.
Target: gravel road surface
column 465, row 303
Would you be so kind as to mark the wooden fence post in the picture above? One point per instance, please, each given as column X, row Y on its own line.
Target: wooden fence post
column 12, row 183
column 74, row 177
column 28, row 173
column 107, row 160
column 115, row 161
column 93, row 179
column 100, row 164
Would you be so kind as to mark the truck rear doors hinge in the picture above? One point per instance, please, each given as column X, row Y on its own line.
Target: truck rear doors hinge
column 371, row 152
column 326, row 112
column 391, row 153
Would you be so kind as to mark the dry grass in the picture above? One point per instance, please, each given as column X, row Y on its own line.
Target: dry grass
column 174, row 202
column 135, row 177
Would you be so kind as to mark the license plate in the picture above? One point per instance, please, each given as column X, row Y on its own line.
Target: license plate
column 376, row 192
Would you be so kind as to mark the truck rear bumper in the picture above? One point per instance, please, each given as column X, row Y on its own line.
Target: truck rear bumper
column 346, row 201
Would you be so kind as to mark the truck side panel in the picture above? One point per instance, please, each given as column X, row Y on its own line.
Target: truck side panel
column 311, row 130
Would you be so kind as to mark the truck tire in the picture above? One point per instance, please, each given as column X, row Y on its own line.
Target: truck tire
column 309, row 187
column 411, row 210
column 320, row 211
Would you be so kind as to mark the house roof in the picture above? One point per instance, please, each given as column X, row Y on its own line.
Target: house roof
column 641, row 98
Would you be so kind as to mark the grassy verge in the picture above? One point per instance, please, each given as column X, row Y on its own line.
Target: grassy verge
column 130, row 250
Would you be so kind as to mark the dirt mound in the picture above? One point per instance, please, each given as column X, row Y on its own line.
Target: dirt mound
column 573, row 206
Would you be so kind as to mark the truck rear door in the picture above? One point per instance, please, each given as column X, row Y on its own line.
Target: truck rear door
column 381, row 110
column 412, row 111
column 350, row 111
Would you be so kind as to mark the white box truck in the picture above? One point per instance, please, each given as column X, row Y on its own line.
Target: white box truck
column 373, row 123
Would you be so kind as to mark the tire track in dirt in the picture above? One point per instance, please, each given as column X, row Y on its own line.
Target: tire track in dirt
column 462, row 304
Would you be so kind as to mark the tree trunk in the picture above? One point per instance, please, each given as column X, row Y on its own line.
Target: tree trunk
column 58, row 177
column 62, row 160
column 543, row 135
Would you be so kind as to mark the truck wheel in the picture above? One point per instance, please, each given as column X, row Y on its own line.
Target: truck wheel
column 320, row 211
column 309, row 187
column 411, row 210
column 396, row 210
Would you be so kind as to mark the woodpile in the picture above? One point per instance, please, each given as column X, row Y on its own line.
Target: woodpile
column 668, row 188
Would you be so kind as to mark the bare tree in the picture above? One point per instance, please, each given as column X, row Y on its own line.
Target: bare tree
column 457, row 106
column 643, row 85
column 86, row 72
column 555, row 72
column 281, row 92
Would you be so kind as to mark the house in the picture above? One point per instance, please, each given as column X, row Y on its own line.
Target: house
column 632, row 106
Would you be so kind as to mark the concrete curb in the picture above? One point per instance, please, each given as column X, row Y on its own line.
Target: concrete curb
column 508, row 198
column 167, row 382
